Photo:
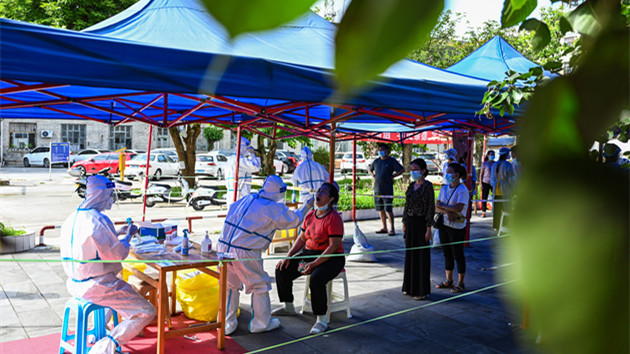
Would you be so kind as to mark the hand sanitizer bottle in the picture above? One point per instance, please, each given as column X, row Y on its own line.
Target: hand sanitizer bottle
column 206, row 244
column 185, row 243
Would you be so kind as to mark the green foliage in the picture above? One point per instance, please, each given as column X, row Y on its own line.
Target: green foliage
column 266, row 148
column 516, row 11
column 70, row 14
column 374, row 34
column 321, row 155
column 254, row 15
column 212, row 135
column 542, row 36
column 9, row 231
column 507, row 94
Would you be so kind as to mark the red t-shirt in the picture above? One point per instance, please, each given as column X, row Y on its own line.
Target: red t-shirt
column 319, row 230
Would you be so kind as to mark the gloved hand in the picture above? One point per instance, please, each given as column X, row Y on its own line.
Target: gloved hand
column 133, row 229
column 122, row 230
column 308, row 205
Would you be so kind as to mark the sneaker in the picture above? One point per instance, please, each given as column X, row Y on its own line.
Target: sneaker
column 283, row 312
column 319, row 327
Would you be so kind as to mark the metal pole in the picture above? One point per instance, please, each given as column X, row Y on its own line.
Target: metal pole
column 354, row 179
column 331, row 160
column 238, row 161
column 50, row 161
column 146, row 176
column 469, row 182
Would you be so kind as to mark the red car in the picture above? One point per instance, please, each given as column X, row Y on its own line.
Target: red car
column 99, row 162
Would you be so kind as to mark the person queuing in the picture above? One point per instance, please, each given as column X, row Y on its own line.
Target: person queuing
column 516, row 160
column 309, row 175
column 248, row 230
column 502, row 178
column 248, row 164
column 321, row 235
column 453, row 203
column 384, row 169
column 417, row 219
column 450, row 155
column 88, row 234
column 484, row 175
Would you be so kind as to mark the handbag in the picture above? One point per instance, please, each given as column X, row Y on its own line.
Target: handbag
column 438, row 219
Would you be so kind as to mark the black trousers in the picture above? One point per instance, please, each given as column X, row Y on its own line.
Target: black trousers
column 320, row 276
column 417, row 275
column 485, row 192
column 453, row 253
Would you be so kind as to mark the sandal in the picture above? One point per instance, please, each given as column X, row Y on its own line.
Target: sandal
column 445, row 285
column 392, row 233
column 381, row 231
column 419, row 298
column 460, row 288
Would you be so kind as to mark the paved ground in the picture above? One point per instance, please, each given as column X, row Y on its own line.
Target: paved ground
column 33, row 295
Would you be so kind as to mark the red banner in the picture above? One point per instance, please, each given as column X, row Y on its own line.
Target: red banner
column 427, row 137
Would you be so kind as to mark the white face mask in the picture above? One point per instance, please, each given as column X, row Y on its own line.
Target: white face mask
column 321, row 208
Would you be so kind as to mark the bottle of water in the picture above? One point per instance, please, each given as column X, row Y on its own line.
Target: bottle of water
column 185, row 243
column 206, row 244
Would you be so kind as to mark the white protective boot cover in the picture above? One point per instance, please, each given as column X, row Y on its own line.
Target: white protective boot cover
column 261, row 313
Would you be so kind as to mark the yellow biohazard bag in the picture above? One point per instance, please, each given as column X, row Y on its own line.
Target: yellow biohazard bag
column 198, row 294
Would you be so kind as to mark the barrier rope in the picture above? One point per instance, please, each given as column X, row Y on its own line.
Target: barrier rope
column 468, row 293
column 36, row 260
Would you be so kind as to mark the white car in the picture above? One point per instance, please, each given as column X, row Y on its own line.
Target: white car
column 212, row 164
column 39, row 156
column 159, row 165
column 346, row 163
column 85, row 155
column 170, row 152
column 281, row 167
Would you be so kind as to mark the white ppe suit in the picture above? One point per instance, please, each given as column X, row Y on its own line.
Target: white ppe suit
column 248, row 230
column 309, row 175
column 248, row 164
column 88, row 234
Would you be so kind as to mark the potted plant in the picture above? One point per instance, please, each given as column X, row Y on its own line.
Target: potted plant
column 15, row 240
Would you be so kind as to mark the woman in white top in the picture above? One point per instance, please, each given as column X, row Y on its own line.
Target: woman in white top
column 453, row 203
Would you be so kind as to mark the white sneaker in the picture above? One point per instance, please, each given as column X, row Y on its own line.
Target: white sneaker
column 319, row 327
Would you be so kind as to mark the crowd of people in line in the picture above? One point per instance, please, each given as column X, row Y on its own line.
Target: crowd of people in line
column 253, row 218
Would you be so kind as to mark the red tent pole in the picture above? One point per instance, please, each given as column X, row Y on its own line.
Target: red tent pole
column 238, row 160
column 146, row 179
column 469, row 181
column 354, row 179
column 331, row 160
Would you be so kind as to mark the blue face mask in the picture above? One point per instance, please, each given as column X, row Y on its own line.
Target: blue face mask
column 321, row 208
column 381, row 153
column 490, row 157
column 449, row 178
column 416, row 175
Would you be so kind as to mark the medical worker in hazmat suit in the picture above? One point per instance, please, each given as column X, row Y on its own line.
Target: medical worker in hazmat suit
column 309, row 175
column 248, row 164
column 248, row 230
column 88, row 234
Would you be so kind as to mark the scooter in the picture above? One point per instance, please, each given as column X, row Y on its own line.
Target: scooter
column 82, row 180
column 122, row 190
column 203, row 196
column 163, row 193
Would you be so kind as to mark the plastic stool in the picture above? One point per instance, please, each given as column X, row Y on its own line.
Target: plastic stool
column 83, row 308
column 334, row 304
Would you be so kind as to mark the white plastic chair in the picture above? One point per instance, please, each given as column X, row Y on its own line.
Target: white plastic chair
column 336, row 302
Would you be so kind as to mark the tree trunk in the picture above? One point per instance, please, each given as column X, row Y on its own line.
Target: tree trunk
column 266, row 156
column 407, row 155
column 186, row 150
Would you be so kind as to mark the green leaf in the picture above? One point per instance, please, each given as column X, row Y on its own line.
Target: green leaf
column 565, row 25
column 516, row 96
column 374, row 34
column 255, row 15
column 515, row 11
column 542, row 36
column 502, row 111
column 583, row 20
column 552, row 65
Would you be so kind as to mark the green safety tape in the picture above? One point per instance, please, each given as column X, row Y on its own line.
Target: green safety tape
column 34, row 260
column 381, row 317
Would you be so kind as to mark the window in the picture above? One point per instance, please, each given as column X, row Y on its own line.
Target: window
column 22, row 136
column 161, row 158
column 221, row 158
column 120, row 137
column 73, row 134
column 170, row 159
column 162, row 138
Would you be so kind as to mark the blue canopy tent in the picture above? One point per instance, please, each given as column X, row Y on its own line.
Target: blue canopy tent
column 168, row 62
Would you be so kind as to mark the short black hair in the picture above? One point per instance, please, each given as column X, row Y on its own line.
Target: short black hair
column 332, row 191
column 459, row 169
column 422, row 164
column 384, row 146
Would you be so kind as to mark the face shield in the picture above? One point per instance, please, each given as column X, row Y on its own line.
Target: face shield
column 99, row 193
column 273, row 189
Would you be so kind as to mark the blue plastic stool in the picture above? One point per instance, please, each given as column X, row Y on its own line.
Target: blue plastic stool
column 83, row 308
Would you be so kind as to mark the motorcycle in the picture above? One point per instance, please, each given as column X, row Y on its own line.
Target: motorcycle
column 122, row 190
column 163, row 193
column 81, row 181
column 203, row 196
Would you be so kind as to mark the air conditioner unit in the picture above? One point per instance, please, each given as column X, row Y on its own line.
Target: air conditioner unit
column 47, row 134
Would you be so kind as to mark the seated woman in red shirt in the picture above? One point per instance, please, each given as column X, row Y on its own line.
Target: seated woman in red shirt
column 322, row 233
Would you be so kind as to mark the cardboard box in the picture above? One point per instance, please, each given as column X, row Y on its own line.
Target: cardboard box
column 159, row 230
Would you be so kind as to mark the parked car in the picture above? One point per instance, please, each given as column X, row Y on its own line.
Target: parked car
column 338, row 158
column 85, row 155
column 281, row 167
column 159, row 165
column 100, row 162
column 291, row 156
column 288, row 161
column 211, row 164
column 346, row 163
column 39, row 156
column 171, row 152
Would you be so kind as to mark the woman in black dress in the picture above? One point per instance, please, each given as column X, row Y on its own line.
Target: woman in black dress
column 417, row 220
